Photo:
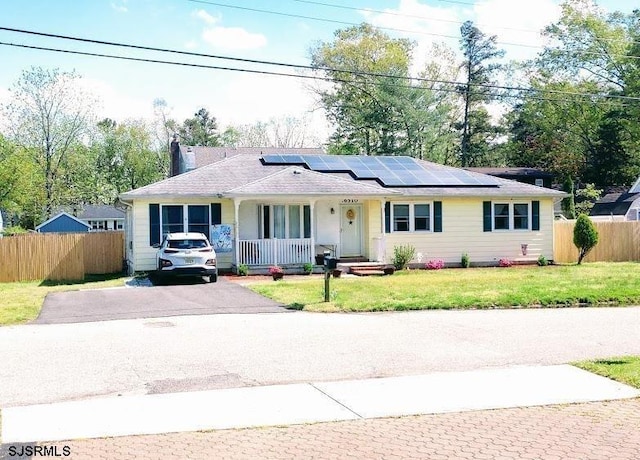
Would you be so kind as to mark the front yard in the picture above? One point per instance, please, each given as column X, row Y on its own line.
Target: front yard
column 594, row 284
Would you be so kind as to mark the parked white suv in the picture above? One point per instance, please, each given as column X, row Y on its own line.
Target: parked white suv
column 186, row 254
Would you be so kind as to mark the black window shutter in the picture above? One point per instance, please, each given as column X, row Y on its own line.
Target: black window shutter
column 387, row 217
column 216, row 213
column 535, row 215
column 154, row 224
column 437, row 216
column 486, row 216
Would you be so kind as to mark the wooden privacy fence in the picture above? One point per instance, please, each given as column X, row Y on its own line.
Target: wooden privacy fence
column 618, row 242
column 55, row 256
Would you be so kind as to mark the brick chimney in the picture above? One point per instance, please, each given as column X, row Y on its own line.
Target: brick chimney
column 174, row 153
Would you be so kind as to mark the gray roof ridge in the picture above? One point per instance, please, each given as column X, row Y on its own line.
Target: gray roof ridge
column 324, row 176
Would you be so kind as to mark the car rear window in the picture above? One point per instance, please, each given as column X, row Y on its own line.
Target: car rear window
column 187, row 244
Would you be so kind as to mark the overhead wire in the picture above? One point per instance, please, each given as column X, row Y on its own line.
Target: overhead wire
column 282, row 64
column 425, row 18
column 409, row 31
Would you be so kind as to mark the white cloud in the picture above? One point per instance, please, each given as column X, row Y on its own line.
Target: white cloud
column 249, row 98
column 122, row 8
column 516, row 22
column 233, row 38
column 206, row 17
column 191, row 45
column 511, row 22
column 115, row 104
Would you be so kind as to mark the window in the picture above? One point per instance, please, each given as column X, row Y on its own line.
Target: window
column 199, row 219
column 285, row 221
column 175, row 218
column 400, row 217
column 512, row 216
column 501, row 216
column 422, row 217
column 521, row 216
column 172, row 219
column 540, row 182
column 416, row 217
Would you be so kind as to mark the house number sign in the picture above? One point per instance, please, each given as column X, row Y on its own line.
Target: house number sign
column 350, row 201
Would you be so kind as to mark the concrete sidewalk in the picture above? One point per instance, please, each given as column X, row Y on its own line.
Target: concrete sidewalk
column 308, row 403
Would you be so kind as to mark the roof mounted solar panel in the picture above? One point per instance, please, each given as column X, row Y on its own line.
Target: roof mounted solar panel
column 278, row 159
column 389, row 171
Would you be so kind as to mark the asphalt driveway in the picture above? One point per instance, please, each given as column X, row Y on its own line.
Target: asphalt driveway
column 192, row 298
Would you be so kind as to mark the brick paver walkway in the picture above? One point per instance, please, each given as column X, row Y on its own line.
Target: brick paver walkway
column 604, row 430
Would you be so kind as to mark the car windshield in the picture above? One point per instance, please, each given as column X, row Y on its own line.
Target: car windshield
column 187, row 244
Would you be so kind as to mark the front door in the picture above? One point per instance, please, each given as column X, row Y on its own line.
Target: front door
column 350, row 230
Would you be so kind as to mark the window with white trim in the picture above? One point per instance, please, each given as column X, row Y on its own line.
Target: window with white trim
column 177, row 218
column 411, row 217
column 285, row 221
column 511, row 216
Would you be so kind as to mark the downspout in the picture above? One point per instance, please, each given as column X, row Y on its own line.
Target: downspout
column 128, row 232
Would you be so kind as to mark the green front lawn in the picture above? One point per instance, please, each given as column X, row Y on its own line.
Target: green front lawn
column 21, row 302
column 624, row 369
column 594, row 284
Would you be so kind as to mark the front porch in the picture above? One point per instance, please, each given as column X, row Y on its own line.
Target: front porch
column 291, row 234
column 276, row 251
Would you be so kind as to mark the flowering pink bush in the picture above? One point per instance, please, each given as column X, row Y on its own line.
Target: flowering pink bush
column 435, row 264
column 504, row 262
column 275, row 269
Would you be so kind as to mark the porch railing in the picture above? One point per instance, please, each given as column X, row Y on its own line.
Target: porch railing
column 275, row 251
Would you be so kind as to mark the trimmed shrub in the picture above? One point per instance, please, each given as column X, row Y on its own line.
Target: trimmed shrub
column 465, row 260
column 243, row 270
column 402, row 255
column 542, row 261
column 585, row 236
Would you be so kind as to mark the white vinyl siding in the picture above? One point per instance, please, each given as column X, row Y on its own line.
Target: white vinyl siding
column 462, row 220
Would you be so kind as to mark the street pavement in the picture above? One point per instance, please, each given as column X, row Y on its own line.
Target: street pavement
column 60, row 362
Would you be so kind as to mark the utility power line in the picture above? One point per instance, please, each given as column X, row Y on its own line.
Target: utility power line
column 409, row 80
column 418, row 32
column 282, row 64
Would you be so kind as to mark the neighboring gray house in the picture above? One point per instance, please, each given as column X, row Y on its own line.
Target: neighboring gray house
column 618, row 206
column 264, row 209
column 63, row 223
column 102, row 217
column 89, row 217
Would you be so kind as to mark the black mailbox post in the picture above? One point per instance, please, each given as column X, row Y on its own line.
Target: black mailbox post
column 330, row 263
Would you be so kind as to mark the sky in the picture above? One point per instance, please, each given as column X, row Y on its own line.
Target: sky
column 127, row 89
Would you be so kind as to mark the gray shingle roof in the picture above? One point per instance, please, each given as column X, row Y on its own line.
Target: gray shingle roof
column 296, row 180
column 616, row 204
column 207, row 155
column 241, row 174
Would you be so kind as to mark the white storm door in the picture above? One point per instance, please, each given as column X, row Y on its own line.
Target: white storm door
column 350, row 230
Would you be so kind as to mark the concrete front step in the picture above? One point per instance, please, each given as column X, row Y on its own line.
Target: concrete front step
column 366, row 272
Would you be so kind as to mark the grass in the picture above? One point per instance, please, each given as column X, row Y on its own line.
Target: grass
column 21, row 302
column 623, row 369
column 594, row 284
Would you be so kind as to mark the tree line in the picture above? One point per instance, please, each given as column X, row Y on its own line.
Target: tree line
column 572, row 110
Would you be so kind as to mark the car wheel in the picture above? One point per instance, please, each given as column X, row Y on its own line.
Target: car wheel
column 212, row 278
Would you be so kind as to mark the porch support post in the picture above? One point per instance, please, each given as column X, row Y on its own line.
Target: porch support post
column 312, row 219
column 236, row 229
column 383, row 236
